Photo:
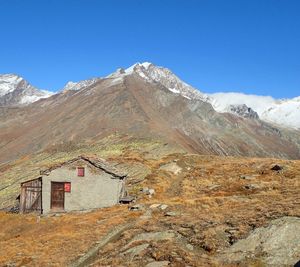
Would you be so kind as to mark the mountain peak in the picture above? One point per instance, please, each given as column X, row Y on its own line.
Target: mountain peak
column 168, row 79
column 15, row 90
column 138, row 65
column 8, row 83
column 153, row 73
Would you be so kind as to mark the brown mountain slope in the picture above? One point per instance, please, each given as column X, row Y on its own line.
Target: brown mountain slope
column 142, row 109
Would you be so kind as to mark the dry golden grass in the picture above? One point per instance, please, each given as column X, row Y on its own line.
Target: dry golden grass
column 55, row 241
column 212, row 196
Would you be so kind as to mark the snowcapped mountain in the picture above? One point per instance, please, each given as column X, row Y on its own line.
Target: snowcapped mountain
column 14, row 91
column 79, row 85
column 282, row 112
column 149, row 102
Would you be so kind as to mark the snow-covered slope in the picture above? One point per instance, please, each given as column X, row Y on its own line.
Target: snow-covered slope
column 221, row 101
column 284, row 112
column 14, row 91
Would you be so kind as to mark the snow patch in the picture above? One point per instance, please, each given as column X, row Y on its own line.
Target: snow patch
column 175, row 91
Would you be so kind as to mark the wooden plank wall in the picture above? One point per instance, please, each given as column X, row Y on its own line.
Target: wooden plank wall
column 31, row 196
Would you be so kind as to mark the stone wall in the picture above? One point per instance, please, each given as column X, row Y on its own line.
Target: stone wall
column 96, row 189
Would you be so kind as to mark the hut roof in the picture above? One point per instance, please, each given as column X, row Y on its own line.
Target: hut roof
column 98, row 163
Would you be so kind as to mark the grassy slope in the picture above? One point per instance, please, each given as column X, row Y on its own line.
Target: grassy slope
column 210, row 196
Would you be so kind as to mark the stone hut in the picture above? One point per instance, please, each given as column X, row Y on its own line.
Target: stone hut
column 81, row 183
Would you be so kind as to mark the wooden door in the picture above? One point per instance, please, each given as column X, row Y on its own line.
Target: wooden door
column 57, row 196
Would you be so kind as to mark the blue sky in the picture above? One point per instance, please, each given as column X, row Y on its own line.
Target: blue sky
column 247, row 46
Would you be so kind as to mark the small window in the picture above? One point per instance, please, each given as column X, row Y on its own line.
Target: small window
column 68, row 187
column 80, row 171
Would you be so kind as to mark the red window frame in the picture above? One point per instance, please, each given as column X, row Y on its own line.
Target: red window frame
column 80, row 171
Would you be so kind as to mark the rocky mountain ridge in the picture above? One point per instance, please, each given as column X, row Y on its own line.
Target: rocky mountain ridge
column 79, row 85
column 243, row 111
column 285, row 112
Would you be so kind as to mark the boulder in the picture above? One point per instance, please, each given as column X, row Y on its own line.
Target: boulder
column 275, row 245
column 148, row 191
column 151, row 191
column 163, row 206
column 145, row 190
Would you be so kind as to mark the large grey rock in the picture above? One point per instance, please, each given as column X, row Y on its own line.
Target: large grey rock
column 243, row 111
column 278, row 244
column 136, row 250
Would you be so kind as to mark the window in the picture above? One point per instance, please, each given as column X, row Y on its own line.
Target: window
column 68, row 187
column 80, row 171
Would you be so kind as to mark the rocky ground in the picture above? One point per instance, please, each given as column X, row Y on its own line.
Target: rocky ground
column 191, row 210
